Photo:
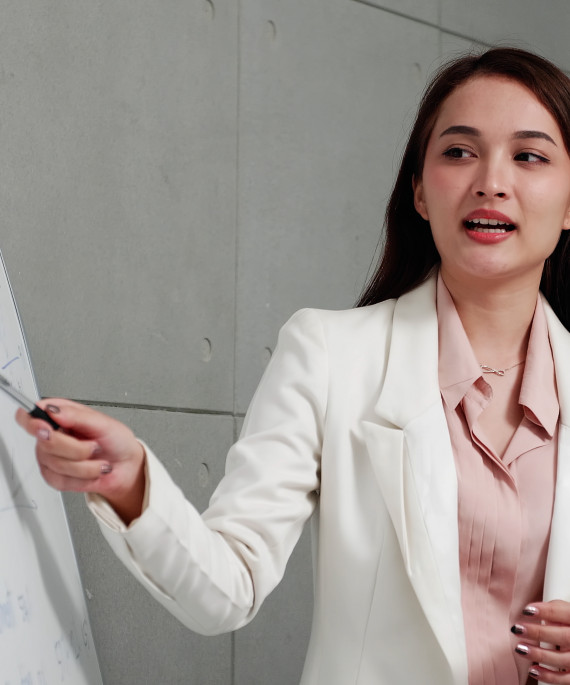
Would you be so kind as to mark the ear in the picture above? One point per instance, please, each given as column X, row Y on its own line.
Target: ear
column 419, row 200
column 566, row 223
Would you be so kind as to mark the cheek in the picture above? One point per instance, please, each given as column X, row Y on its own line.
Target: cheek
column 441, row 185
column 548, row 201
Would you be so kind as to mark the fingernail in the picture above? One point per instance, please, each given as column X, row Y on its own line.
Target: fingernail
column 518, row 629
column 522, row 649
column 106, row 468
column 53, row 409
column 530, row 610
column 534, row 672
column 43, row 434
column 96, row 449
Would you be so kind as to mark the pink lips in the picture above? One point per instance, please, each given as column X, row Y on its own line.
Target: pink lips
column 484, row 237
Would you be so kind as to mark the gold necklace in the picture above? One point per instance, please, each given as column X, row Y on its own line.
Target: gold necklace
column 498, row 372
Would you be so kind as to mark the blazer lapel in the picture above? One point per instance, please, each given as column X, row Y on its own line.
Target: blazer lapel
column 557, row 578
column 412, row 458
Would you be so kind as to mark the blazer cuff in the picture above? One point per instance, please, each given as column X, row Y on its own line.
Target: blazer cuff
column 104, row 512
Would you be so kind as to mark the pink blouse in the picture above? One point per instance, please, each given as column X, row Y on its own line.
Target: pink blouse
column 505, row 505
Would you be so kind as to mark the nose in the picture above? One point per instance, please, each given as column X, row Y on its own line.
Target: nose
column 491, row 180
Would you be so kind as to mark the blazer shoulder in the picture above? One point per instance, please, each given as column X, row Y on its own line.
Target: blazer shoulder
column 418, row 302
column 355, row 321
column 365, row 330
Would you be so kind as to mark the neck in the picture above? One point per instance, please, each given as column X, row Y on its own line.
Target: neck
column 496, row 317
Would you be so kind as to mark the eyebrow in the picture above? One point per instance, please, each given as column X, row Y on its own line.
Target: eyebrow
column 519, row 135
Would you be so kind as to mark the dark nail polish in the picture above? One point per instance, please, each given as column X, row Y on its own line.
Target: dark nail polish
column 106, row 468
column 53, row 409
column 530, row 611
column 534, row 672
column 522, row 649
column 517, row 629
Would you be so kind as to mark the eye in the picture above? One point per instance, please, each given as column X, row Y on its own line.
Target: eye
column 457, row 153
column 531, row 158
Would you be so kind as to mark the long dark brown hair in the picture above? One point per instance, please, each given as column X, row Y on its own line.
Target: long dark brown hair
column 409, row 254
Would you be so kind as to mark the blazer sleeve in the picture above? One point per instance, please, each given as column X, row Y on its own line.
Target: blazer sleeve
column 213, row 571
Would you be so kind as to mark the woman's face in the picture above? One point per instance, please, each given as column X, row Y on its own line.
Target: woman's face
column 496, row 182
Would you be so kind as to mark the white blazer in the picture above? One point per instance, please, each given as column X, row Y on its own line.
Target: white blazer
column 347, row 424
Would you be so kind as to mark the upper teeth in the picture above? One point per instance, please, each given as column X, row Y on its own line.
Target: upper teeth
column 489, row 222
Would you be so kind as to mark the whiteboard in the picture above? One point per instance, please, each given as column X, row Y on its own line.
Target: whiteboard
column 45, row 637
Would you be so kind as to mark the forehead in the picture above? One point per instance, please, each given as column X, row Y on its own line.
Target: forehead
column 495, row 104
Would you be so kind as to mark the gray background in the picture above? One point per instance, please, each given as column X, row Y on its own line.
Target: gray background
column 176, row 178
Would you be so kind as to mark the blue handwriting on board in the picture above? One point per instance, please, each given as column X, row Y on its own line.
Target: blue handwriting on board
column 67, row 648
column 7, row 613
column 13, row 613
column 28, row 679
column 7, row 364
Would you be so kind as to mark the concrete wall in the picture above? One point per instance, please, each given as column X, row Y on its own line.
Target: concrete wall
column 176, row 178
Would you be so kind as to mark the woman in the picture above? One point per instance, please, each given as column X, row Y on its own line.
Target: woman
column 427, row 430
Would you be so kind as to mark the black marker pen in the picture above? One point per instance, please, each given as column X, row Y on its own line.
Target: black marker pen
column 29, row 405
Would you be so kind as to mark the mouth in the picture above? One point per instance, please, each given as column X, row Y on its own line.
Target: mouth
column 488, row 226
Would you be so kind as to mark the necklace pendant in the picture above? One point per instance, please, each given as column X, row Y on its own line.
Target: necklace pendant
column 490, row 369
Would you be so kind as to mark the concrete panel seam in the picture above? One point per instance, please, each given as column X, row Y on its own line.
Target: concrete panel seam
column 403, row 15
column 463, row 36
column 152, row 407
column 237, row 206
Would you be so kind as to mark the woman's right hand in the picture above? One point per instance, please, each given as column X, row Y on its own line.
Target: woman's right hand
column 92, row 453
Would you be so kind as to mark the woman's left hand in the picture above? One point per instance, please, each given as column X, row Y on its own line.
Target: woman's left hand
column 545, row 622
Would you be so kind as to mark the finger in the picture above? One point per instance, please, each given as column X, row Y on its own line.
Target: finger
column 34, row 425
column 555, row 611
column 545, row 675
column 538, row 632
column 548, row 657
column 64, row 483
column 24, row 420
column 57, row 444
column 90, row 469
